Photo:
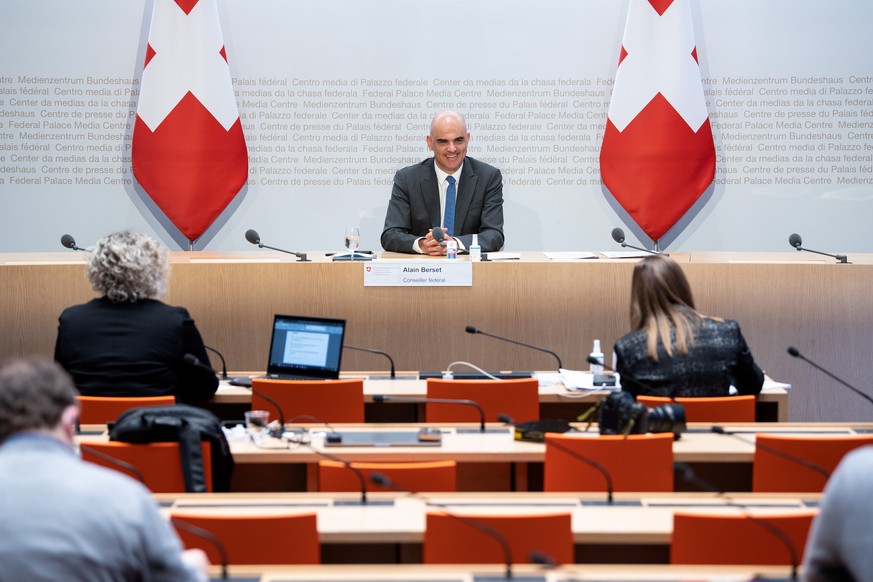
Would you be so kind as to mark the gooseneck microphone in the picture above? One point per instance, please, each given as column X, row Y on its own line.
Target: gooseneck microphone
column 792, row 351
column 687, row 473
column 796, row 241
column 68, row 241
column 193, row 360
column 438, row 235
column 588, row 461
column 475, row 330
column 773, row 451
column 383, row 481
column 253, row 237
column 415, row 400
column 347, row 464
column 223, row 374
column 123, row 465
column 372, row 351
column 209, row 537
column 618, row 236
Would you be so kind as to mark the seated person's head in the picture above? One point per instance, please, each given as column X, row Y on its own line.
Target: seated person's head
column 128, row 266
column 36, row 395
column 661, row 300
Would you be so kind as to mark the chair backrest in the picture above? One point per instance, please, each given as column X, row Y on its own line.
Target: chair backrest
column 254, row 539
column 456, row 539
column 323, row 400
column 641, row 462
column 518, row 398
column 710, row 408
column 158, row 465
column 771, row 472
column 411, row 476
column 739, row 539
column 106, row 409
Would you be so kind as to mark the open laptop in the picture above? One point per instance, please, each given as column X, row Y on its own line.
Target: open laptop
column 305, row 348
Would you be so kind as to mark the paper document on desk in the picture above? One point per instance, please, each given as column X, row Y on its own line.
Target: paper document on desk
column 624, row 254
column 582, row 380
column 502, row 256
column 569, row 255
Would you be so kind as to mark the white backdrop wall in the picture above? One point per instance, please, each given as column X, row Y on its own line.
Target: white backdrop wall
column 342, row 90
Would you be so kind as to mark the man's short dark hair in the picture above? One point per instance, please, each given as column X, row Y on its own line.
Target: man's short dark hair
column 33, row 394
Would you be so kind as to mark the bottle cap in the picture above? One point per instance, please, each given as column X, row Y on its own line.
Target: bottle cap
column 596, row 348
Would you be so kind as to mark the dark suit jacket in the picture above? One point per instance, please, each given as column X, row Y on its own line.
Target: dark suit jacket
column 718, row 358
column 415, row 206
column 133, row 349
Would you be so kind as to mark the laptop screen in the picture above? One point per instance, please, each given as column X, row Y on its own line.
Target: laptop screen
column 306, row 347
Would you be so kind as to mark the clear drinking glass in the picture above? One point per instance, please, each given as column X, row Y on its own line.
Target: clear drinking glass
column 353, row 239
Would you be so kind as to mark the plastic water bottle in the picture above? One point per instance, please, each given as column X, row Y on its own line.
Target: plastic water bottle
column 597, row 354
column 451, row 249
column 475, row 249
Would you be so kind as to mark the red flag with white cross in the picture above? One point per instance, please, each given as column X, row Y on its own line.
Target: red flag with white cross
column 657, row 156
column 189, row 152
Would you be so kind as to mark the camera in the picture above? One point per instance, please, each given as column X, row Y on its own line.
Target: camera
column 620, row 413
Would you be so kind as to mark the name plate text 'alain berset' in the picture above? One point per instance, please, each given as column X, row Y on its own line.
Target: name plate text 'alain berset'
column 426, row 273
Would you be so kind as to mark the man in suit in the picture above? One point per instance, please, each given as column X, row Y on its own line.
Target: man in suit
column 423, row 191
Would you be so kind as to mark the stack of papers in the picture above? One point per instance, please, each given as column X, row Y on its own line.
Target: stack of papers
column 569, row 255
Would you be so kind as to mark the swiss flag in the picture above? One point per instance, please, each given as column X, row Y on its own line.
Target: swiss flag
column 658, row 155
column 189, row 152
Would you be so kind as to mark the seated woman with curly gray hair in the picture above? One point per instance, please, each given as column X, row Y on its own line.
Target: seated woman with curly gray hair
column 127, row 342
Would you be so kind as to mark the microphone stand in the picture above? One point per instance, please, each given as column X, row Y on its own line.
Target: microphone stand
column 390, row 359
column 474, row 330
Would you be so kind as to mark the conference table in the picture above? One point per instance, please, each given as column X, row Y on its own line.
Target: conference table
column 494, row 573
column 389, row 528
column 488, row 461
column 779, row 299
column 556, row 400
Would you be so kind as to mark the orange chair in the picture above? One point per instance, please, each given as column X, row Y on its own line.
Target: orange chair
column 518, row 399
column 105, row 409
column 252, row 538
column 311, row 400
column 420, row 476
column 459, row 539
column 710, row 409
column 771, row 472
column 739, row 539
column 157, row 465
column 642, row 462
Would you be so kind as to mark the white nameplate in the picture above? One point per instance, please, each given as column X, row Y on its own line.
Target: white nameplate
column 428, row 273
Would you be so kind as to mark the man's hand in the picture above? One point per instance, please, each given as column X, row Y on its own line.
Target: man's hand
column 430, row 246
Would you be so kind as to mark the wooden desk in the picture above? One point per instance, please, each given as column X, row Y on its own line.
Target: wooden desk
column 556, row 401
column 780, row 299
column 571, row 573
column 494, row 461
column 635, row 529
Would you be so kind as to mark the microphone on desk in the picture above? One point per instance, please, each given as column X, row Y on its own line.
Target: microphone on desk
column 193, row 360
column 475, row 330
column 792, row 351
column 253, row 237
column 773, row 451
column 618, row 236
column 123, row 465
column 687, row 473
column 209, row 537
column 223, row 374
column 347, row 464
column 68, row 241
column 372, row 351
column 438, row 235
column 416, row 400
column 588, row 461
column 796, row 241
column 383, row 481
